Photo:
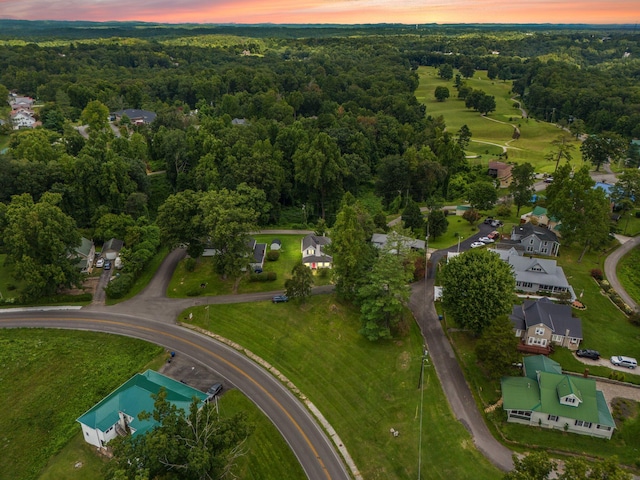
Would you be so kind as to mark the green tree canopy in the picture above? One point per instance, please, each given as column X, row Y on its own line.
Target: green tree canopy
column 385, row 292
column 477, row 288
column 349, row 247
column 193, row 445
column 482, row 195
column 300, row 283
column 521, row 187
column 40, row 239
column 227, row 219
column 582, row 210
column 603, row 148
column 497, row 348
column 441, row 93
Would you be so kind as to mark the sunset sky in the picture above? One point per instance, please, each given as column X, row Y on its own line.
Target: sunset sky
column 328, row 11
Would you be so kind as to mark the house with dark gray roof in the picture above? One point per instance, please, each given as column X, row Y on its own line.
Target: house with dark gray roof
column 542, row 323
column 535, row 275
column 536, row 240
column 380, row 240
column 137, row 117
column 258, row 253
column 111, row 249
column 313, row 252
column 545, row 397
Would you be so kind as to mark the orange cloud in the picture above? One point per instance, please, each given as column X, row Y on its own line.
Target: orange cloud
column 328, row 11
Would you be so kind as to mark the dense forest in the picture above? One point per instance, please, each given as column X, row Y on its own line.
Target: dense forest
column 322, row 110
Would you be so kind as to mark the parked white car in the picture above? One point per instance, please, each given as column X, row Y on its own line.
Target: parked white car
column 477, row 244
column 486, row 240
column 100, row 262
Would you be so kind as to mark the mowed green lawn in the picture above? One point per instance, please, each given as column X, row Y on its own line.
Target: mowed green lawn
column 496, row 128
column 629, row 273
column 363, row 388
column 49, row 378
column 183, row 282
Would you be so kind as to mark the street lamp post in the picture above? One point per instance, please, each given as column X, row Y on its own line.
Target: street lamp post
column 425, row 354
column 459, row 238
column 426, row 255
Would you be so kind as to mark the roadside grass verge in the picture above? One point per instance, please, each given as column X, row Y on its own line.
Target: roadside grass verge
column 51, row 377
column 363, row 388
column 268, row 454
column 184, row 282
column 629, row 274
column 535, row 136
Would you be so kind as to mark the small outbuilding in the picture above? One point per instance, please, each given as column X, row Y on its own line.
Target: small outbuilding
column 276, row 244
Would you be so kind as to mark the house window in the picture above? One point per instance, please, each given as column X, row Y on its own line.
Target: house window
column 557, row 338
column 552, row 418
column 582, row 423
column 539, row 331
column 522, row 414
column 536, row 269
column 529, row 249
column 538, row 341
column 603, row 427
column 574, row 341
column 570, row 400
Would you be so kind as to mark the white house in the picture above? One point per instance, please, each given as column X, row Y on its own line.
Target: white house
column 313, row 254
column 547, row 398
column 117, row 413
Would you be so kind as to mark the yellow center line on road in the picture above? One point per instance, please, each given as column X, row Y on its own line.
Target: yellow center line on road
column 215, row 355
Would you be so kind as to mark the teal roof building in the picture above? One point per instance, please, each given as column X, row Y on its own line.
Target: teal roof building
column 117, row 413
column 545, row 397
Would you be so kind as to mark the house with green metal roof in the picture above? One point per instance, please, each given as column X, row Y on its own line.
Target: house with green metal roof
column 117, row 413
column 545, row 397
column 84, row 254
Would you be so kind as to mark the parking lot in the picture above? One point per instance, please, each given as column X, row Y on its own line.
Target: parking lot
column 185, row 370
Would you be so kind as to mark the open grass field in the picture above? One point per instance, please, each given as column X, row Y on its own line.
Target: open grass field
column 80, row 368
column 629, row 274
column 605, row 329
column 184, row 281
column 364, row 389
column 495, row 131
column 51, row 377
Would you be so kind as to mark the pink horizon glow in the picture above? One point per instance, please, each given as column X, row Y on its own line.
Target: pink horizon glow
column 328, row 11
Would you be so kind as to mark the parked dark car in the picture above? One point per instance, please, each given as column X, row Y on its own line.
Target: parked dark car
column 592, row 354
column 280, row 299
column 107, row 265
column 214, row 390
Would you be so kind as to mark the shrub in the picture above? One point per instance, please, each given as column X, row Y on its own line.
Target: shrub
column 120, row 286
column 273, row 255
column 503, row 210
column 619, row 376
column 597, row 274
column 190, row 264
column 323, row 272
column 634, row 318
column 194, row 291
column 263, row 277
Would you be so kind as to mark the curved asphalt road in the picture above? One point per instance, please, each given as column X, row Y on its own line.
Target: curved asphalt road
column 610, row 266
column 447, row 367
column 150, row 316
